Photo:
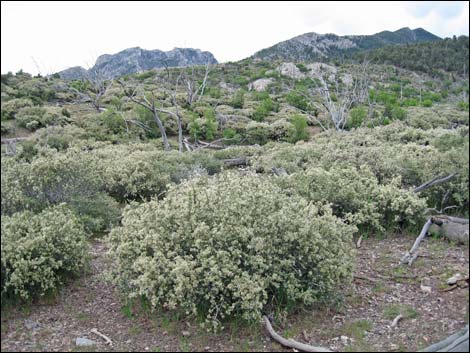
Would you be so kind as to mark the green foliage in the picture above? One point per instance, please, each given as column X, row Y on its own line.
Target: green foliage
column 357, row 197
column 232, row 136
column 39, row 252
column 113, row 121
column 463, row 106
column 394, row 112
column 299, row 129
column 6, row 128
column 257, row 133
column 238, row 99
column 356, row 117
column 229, row 246
column 297, row 100
column 194, row 127
column 266, row 106
column 429, row 57
column 427, row 103
column 33, row 118
column 11, row 107
column 210, row 124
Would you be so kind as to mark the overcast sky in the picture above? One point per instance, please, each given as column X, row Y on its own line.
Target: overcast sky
column 53, row 36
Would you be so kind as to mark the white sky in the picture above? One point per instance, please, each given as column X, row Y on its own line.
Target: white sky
column 57, row 35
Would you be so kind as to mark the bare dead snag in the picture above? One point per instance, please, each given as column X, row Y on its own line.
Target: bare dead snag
column 290, row 343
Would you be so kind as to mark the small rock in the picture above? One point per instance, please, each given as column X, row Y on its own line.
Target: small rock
column 207, row 348
column 454, row 279
column 32, row 325
column 394, row 347
column 186, row 333
column 344, row 340
column 426, row 289
column 84, row 342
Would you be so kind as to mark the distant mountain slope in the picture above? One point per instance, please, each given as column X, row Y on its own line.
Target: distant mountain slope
column 133, row 60
column 450, row 55
column 314, row 46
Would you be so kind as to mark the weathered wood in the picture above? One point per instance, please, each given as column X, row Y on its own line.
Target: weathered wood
column 457, row 342
column 235, row 162
column 290, row 343
column 435, row 181
column 409, row 257
column 13, row 140
column 453, row 228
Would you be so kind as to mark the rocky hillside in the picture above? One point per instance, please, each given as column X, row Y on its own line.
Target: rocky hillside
column 314, row 46
column 133, row 60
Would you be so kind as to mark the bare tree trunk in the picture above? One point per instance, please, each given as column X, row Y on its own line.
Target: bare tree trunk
column 166, row 145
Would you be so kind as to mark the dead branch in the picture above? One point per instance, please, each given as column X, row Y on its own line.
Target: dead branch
column 13, row 140
column 435, row 181
column 408, row 257
column 106, row 338
column 359, row 241
column 365, row 278
column 396, row 320
column 290, row 343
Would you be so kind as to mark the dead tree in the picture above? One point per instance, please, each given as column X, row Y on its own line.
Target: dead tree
column 337, row 109
column 138, row 96
column 194, row 91
column 94, row 88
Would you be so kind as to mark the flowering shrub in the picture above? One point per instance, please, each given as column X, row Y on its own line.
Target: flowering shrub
column 230, row 245
column 40, row 251
column 356, row 196
column 57, row 178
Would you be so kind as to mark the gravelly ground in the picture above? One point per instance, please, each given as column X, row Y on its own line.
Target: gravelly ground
column 363, row 319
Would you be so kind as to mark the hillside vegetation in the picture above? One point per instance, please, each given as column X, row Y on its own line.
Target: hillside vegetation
column 229, row 191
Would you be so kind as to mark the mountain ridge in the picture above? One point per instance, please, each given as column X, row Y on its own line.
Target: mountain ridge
column 314, row 46
column 136, row 59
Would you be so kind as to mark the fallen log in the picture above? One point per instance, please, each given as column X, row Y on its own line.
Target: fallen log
column 453, row 228
column 235, row 162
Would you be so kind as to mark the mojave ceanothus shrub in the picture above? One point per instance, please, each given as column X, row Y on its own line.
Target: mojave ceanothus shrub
column 39, row 251
column 230, row 245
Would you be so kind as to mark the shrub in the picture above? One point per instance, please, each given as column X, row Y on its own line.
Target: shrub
column 238, row 99
column 298, row 101
column 229, row 246
column 6, row 129
column 264, row 108
column 33, row 118
column 40, row 251
column 11, row 107
column 356, row 117
column 257, row 133
column 427, row 103
column 298, row 131
column 280, row 130
column 357, row 197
